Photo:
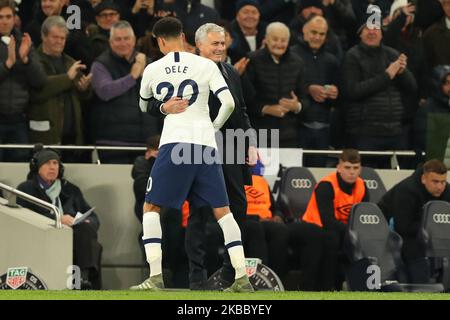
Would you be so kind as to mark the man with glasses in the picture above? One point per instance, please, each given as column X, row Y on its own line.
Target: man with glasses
column 106, row 15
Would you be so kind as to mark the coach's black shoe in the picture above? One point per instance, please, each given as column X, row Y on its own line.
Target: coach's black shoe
column 85, row 285
column 241, row 284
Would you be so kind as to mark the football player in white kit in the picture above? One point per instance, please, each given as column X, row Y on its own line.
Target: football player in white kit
column 186, row 166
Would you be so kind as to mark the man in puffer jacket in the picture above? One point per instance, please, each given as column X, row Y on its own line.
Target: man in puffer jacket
column 374, row 78
column 20, row 70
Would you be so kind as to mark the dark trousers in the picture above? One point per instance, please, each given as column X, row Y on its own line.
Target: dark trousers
column 87, row 252
column 195, row 230
column 315, row 250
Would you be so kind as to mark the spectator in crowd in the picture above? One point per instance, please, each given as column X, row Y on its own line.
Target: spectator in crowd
column 427, row 13
column 148, row 46
column 321, row 69
column 47, row 8
column 342, row 20
column 360, row 9
column 402, row 35
column 55, row 112
column 193, row 14
column 374, row 77
column 437, row 39
column 331, row 201
column 277, row 77
column 20, row 71
column 26, row 9
column 107, row 14
column 305, row 11
column 116, row 118
column 404, row 203
column 210, row 41
column 142, row 14
column 277, row 10
column 174, row 258
column 432, row 124
column 247, row 30
column 46, row 181
column 77, row 45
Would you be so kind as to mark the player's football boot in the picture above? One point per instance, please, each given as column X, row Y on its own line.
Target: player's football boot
column 241, row 284
column 154, row 283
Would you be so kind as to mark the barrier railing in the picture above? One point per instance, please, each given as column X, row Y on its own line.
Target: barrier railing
column 394, row 154
column 36, row 201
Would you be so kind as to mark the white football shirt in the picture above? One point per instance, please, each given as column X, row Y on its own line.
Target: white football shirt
column 190, row 77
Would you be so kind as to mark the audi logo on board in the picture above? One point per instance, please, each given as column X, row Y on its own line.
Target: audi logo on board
column 369, row 219
column 301, row 183
column 441, row 218
column 371, row 184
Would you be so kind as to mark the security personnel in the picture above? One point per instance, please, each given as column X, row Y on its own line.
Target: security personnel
column 330, row 205
column 334, row 195
column 404, row 202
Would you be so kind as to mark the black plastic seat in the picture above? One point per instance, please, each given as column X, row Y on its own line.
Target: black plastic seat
column 295, row 190
column 370, row 242
column 374, row 184
column 434, row 233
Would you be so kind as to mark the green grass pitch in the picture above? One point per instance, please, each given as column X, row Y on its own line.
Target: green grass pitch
column 210, row 295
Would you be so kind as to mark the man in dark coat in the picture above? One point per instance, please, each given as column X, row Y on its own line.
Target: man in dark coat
column 277, row 75
column 374, row 77
column 46, row 182
column 403, row 204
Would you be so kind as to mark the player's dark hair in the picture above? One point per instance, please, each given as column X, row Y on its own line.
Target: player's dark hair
column 167, row 27
column 350, row 155
column 435, row 166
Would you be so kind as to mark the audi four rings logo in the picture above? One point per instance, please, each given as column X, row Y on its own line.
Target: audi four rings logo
column 371, row 184
column 369, row 219
column 301, row 183
column 441, row 218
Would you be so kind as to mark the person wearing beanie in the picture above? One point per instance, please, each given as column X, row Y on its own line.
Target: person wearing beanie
column 46, row 182
column 247, row 30
column 107, row 14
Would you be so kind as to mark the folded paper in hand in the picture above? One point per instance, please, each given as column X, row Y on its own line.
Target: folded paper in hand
column 80, row 217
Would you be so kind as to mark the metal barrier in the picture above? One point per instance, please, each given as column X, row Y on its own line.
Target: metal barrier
column 34, row 200
column 95, row 157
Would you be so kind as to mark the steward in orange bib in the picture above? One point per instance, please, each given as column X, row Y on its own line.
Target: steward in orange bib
column 334, row 195
column 267, row 235
column 329, row 208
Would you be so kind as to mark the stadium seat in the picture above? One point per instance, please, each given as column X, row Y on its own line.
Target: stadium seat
column 295, row 188
column 369, row 243
column 374, row 184
column 435, row 235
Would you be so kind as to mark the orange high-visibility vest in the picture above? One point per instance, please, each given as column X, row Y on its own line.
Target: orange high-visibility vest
column 185, row 214
column 342, row 202
column 258, row 198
